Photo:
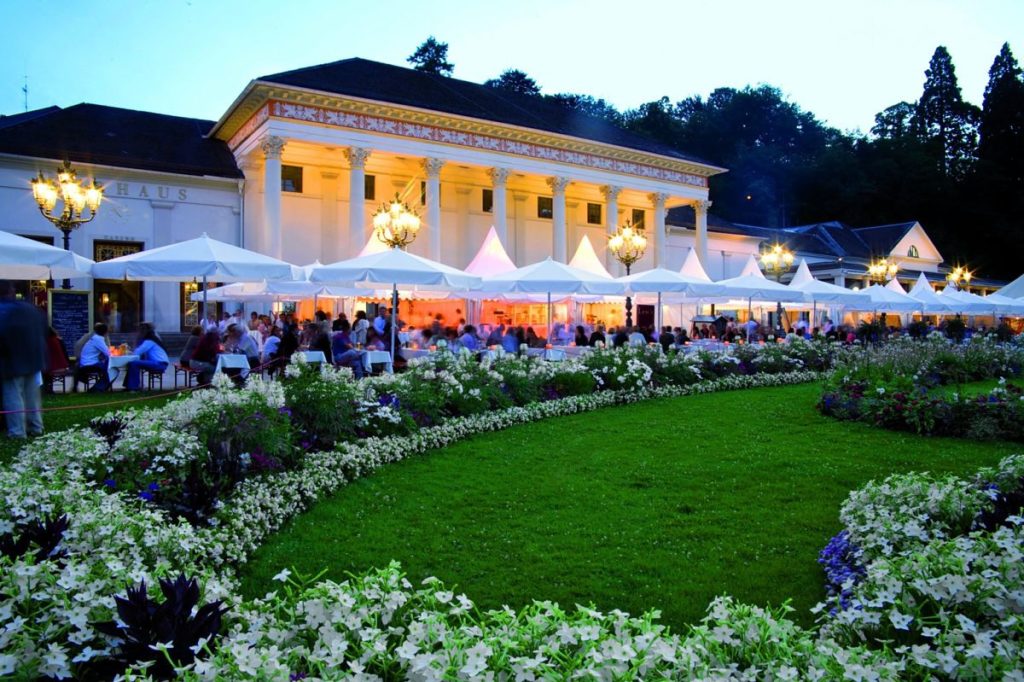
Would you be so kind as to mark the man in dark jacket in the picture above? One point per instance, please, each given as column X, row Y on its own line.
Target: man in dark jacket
column 22, row 360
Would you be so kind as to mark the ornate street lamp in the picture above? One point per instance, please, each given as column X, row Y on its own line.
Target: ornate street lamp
column 75, row 200
column 628, row 245
column 777, row 260
column 960, row 274
column 882, row 270
column 396, row 225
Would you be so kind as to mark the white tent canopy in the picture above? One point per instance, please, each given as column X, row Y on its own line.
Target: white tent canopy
column 751, row 284
column 1014, row 289
column 888, row 301
column 23, row 258
column 966, row 303
column 586, row 259
column 551, row 277
column 692, row 267
column 816, row 291
column 931, row 302
column 491, row 259
column 277, row 291
column 1013, row 307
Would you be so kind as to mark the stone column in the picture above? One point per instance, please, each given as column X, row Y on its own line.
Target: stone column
column 658, row 233
column 463, row 242
column 358, row 229
column 330, row 229
column 432, row 167
column 558, row 185
column 518, row 245
column 700, row 219
column 272, row 147
column 499, row 211
column 252, row 226
column 611, row 224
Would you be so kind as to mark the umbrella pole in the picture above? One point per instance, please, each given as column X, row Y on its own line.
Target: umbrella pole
column 394, row 319
column 657, row 324
column 549, row 318
column 204, row 302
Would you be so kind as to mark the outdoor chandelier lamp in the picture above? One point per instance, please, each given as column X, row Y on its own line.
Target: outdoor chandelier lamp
column 777, row 260
column 628, row 245
column 960, row 274
column 75, row 201
column 882, row 270
column 396, row 224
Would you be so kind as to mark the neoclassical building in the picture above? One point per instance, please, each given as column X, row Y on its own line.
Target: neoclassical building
column 300, row 160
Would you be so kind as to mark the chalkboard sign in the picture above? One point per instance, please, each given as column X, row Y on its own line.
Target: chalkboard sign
column 70, row 313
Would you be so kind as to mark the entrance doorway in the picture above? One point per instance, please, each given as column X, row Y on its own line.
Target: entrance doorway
column 118, row 303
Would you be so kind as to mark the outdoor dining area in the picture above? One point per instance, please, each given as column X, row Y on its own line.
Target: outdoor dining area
column 387, row 307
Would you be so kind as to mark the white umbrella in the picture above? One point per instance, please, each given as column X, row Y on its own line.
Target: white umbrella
column 815, row 291
column 888, row 301
column 23, row 258
column 394, row 267
column 664, row 281
column 931, row 302
column 1014, row 289
column 964, row 302
column 752, row 284
column 1013, row 307
column 200, row 258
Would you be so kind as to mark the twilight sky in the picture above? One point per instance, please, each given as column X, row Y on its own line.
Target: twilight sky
column 843, row 61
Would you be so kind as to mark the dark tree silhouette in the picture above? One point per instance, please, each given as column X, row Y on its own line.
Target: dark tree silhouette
column 514, row 80
column 432, row 57
column 945, row 118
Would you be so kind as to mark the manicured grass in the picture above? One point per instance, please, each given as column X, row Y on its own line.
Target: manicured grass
column 76, row 409
column 663, row 504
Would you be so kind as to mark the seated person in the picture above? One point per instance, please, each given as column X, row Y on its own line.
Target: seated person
column 581, row 336
column 344, row 352
column 666, row 338
column 373, row 340
column 190, row 346
column 152, row 356
column 204, row 357
column 94, row 359
column 57, row 361
column 621, row 338
column 681, row 337
column 598, row 336
column 270, row 346
column 239, row 341
column 468, row 339
column 509, row 341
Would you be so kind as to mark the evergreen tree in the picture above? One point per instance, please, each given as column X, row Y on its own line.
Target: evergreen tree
column 514, row 80
column 1001, row 147
column 944, row 118
column 896, row 122
column 432, row 57
column 587, row 105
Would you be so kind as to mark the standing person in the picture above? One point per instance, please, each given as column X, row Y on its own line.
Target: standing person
column 22, row 360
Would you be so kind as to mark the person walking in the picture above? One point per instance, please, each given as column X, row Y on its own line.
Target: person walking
column 22, row 361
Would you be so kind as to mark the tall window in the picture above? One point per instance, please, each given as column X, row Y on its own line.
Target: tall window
column 593, row 214
column 423, row 192
column 545, row 207
column 912, row 252
column 487, row 201
column 637, row 218
column 370, row 187
column 291, row 179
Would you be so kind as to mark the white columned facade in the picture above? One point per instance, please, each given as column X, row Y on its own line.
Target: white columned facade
column 433, row 167
column 272, row 147
column 499, row 211
column 357, row 227
column 558, row 185
column 700, row 223
column 658, row 233
column 519, row 238
column 330, row 229
column 252, row 239
column 611, row 224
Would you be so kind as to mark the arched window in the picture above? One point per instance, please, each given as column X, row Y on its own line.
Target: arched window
column 912, row 252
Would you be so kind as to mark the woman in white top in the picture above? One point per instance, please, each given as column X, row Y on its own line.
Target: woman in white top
column 359, row 328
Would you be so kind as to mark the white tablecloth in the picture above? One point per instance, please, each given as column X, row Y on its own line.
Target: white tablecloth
column 412, row 353
column 314, row 355
column 551, row 354
column 371, row 357
column 233, row 361
column 116, row 363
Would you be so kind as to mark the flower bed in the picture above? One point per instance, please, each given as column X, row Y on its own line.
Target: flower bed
column 230, row 466
column 891, row 387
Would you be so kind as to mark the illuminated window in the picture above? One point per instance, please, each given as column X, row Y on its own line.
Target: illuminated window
column 291, row 179
column 593, row 214
column 912, row 252
column 545, row 207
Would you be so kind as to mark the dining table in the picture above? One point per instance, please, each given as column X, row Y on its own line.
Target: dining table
column 115, row 364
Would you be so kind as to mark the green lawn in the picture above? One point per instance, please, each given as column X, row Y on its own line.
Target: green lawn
column 663, row 504
column 74, row 409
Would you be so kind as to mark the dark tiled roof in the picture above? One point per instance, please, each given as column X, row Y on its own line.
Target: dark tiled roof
column 397, row 85
column 95, row 134
column 881, row 239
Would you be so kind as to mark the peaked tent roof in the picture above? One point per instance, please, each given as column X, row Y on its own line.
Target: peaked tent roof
column 372, row 246
column 586, row 258
column 1014, row 289
column 399, row 85
column 816, row 291
column 692, row 268
column 551, row 277
column 491, row 259
column 888, row 301
column 931, row 302
column 125, row 138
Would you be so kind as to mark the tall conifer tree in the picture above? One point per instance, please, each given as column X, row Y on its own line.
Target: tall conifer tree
column 945, row 118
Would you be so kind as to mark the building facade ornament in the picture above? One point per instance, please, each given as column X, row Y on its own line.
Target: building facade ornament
column 610, row 192
column 558, row 184
column 433, row 166
column 499, row 176
column 658, row 199
column 272, row 146
column 702, row 205
column 357, row 156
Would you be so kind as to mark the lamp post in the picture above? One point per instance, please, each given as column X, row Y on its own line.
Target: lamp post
column 396, row 225
column 75, row 198
column 628, row 245
column 883, row 270
column 777, row 260
column 960, row 274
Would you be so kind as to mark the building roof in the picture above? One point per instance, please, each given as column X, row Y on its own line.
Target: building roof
column 882, row 239
column 389, row 83
column 125, row 138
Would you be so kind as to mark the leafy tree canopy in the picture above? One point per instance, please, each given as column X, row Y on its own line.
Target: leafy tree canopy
column 432, row 57
column 516, row 81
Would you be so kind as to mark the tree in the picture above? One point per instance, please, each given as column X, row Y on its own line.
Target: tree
column 432, row 57
column 896, row 122
column 587, row 105
column 944, row 118
column 1001, row 145
column 515, row 81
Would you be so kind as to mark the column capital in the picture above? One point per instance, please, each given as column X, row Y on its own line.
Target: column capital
column 702, row 205
column 433, row 167
column 272, row 146
column 499, row 176
column 558, row 183
column 357, row 157
column 658, row 199
column 610, row 192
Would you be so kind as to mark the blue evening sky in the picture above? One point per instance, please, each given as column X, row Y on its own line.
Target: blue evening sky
column 844, row 61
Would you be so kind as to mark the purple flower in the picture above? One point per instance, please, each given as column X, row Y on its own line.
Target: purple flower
column 110, row 483
column 145, row 495
column 153, row 487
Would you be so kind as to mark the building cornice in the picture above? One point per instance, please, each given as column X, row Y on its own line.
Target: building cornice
column 262, row 101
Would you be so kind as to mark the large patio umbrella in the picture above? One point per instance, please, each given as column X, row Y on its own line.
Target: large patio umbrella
column 815, row 291
column 751, row 284
column 664, row 281
column 970, row 304
column 395, row 267
column 884, row 300
column 1014, row 307
column 550, row 277
column 931, row 302
column 200, row 258
column 23, row 258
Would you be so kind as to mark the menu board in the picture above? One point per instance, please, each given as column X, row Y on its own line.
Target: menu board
column 70, row 313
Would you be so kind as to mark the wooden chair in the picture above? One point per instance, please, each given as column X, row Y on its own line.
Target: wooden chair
column 153, row 378
column 187, row 373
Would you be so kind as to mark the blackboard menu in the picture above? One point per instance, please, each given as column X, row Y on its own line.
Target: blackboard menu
column 70, row 313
